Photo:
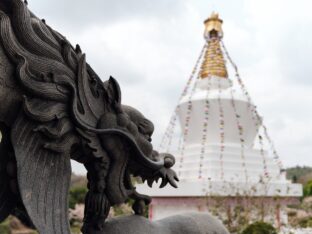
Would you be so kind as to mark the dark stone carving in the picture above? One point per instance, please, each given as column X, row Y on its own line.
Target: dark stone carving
column 55, row 108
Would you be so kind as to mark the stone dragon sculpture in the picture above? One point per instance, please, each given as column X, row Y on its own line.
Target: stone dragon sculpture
column 53, row 108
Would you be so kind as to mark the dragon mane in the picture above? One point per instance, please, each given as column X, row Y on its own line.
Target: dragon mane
column 53, row 76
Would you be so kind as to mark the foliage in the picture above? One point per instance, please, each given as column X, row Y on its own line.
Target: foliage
column 259, row 228
column 77, row 196
column 75, row 229
column 126, row 209
column 307, row 189
column 5, row 227
column 305, row 223
column 292, row 213
column 121, row 210
column 299, row 173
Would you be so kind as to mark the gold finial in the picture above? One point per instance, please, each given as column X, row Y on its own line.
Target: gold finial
column 213, row 26
column 213, row 64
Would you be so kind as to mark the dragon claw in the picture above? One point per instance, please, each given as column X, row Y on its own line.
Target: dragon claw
column 164, row 182
column 168, row 176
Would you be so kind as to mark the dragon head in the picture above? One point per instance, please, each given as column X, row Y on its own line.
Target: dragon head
column 131, row 150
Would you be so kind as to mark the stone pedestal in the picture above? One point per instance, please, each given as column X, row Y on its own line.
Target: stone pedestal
column 189, row 223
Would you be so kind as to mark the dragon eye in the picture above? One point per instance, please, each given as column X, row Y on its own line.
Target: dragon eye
column 141, row 129
column 146, row 134
column 146, row 127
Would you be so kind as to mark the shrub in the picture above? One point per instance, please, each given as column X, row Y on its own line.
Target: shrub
column 307, row 189
column 305, row 222
column 292, row 213
column 259, row 228
column 77, row 196
column 75, row 229
column 5, row 227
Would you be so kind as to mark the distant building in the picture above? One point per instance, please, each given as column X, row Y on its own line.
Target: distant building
column 223, row 159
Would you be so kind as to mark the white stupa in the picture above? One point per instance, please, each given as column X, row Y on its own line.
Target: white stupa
column 221, row 152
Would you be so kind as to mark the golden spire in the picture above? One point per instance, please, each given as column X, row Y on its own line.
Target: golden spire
column 213, row 64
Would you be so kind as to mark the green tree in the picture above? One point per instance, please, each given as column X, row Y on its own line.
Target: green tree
column 294, row 179
column 298, row 172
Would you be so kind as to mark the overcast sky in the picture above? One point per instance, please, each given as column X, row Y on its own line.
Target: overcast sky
column 150, row 47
